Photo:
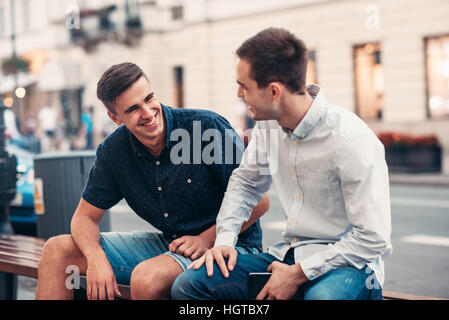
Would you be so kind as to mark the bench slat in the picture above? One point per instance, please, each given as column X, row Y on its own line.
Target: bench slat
column 10, row 248
column 19, row 246
column 19, row 266
column 391, row 295
column 22, row 239
column 20, row 254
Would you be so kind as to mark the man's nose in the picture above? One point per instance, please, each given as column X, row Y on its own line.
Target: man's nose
column 147, row 112
column 240, row 92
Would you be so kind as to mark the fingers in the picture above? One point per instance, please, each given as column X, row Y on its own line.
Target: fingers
column 263, row 293
column 173, row 247
column 196, row 255
column 89, row 291
column 221, row 263
column 197, row 263
column 209, row 264
column 232, row 260
column 102, row 292
column 110, row 291
column 116, row 290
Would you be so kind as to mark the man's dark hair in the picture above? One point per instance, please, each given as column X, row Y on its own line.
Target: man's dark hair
column 276, row 55
column 116, row 80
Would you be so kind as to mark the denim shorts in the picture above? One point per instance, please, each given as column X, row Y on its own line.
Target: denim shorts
column 125, row 250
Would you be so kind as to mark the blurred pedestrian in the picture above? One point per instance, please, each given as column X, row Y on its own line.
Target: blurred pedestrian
column 87, row 127
column 48, row 123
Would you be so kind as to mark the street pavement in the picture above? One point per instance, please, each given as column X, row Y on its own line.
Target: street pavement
column 420, row 237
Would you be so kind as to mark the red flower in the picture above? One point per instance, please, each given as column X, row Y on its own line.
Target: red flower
column 395, row 138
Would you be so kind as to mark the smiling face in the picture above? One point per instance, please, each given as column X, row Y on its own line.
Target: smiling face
column 260, row 101
column 138, row 109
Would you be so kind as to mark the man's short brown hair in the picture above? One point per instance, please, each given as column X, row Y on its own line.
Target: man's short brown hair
column 276, row 55
column 116, row 80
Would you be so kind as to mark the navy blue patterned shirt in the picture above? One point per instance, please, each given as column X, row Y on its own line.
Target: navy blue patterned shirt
column 180, row 191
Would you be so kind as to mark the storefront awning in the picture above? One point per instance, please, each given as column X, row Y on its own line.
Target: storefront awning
column 9, row 83
column 58, row 76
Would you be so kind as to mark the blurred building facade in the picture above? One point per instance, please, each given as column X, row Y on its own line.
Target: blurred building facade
column 387, row 61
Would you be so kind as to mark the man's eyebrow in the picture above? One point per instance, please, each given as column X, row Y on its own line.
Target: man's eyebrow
column 130, row 108
column 240, row 83
column 148, row 97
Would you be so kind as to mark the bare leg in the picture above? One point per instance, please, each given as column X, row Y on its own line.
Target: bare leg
column 153, row 278
column 59, row 252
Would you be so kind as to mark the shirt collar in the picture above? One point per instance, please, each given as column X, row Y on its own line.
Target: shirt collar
column 139, row 148
column 313, row 115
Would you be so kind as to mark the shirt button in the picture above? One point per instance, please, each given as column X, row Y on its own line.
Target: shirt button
column 303, row 135
column 189, row 181
column 295, row 239
column 315, row 273
column 158, row 163
column 166, row 214
column 293, row 171
column 174, row 236
column 295, row 142
column 298, row 195
column 159, row 188
column 291, row 221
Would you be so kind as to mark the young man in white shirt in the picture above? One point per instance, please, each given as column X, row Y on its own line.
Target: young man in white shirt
column 331, row 177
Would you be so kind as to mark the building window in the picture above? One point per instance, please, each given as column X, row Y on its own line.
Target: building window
column 179, row 86
column 369, row 81
column 2, row 20
column 437, row 74
column 177, row 13
column 311, row 68
column 26, row 15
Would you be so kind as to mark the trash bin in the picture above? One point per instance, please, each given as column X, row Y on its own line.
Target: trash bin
column 59, row 181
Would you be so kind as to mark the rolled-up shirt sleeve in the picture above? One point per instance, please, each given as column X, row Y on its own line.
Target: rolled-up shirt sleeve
column 364, row 184
column 247, row 185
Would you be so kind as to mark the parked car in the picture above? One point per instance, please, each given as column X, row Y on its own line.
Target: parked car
column 22, row 215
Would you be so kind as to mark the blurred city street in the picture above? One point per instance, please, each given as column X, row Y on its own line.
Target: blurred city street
column 420, row 239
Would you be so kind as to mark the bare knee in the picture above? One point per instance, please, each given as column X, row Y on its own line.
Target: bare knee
column 61, row 250
column 152, row 280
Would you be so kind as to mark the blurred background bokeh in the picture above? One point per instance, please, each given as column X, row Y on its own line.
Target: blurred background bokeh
column 387, row 61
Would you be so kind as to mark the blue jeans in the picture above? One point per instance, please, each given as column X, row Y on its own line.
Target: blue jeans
column 125, row 250
column 346, row 283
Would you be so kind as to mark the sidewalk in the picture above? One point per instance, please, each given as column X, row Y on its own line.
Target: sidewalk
column 430, row 179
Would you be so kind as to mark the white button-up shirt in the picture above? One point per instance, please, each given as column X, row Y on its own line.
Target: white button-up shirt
column 332, row 181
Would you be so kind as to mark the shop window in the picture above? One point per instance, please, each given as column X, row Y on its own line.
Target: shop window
column 2, row 20
column 369, row 81
column 311, row 68
column 437, row 74
column 179, row 86
column 177, row 13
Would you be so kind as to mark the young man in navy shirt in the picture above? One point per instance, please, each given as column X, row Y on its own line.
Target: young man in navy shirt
column 177, row 185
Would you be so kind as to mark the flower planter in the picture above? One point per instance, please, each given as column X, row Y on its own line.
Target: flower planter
column 402, row 158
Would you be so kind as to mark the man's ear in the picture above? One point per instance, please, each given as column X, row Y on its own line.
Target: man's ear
column 275, row 91
column 114, row 118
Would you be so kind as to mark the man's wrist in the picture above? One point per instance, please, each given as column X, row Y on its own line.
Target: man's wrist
column 300, row 276
column 209, row 235
column 94, row 254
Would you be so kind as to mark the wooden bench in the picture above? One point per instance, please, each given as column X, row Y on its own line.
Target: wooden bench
column 20, row 255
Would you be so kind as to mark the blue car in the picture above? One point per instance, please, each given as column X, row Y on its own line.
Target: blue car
column 21, row 215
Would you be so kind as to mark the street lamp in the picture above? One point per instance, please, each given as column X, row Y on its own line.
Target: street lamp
column 8, row 176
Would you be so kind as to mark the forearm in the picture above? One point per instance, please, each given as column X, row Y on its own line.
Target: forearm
column 258, row 211
column 86, row 234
